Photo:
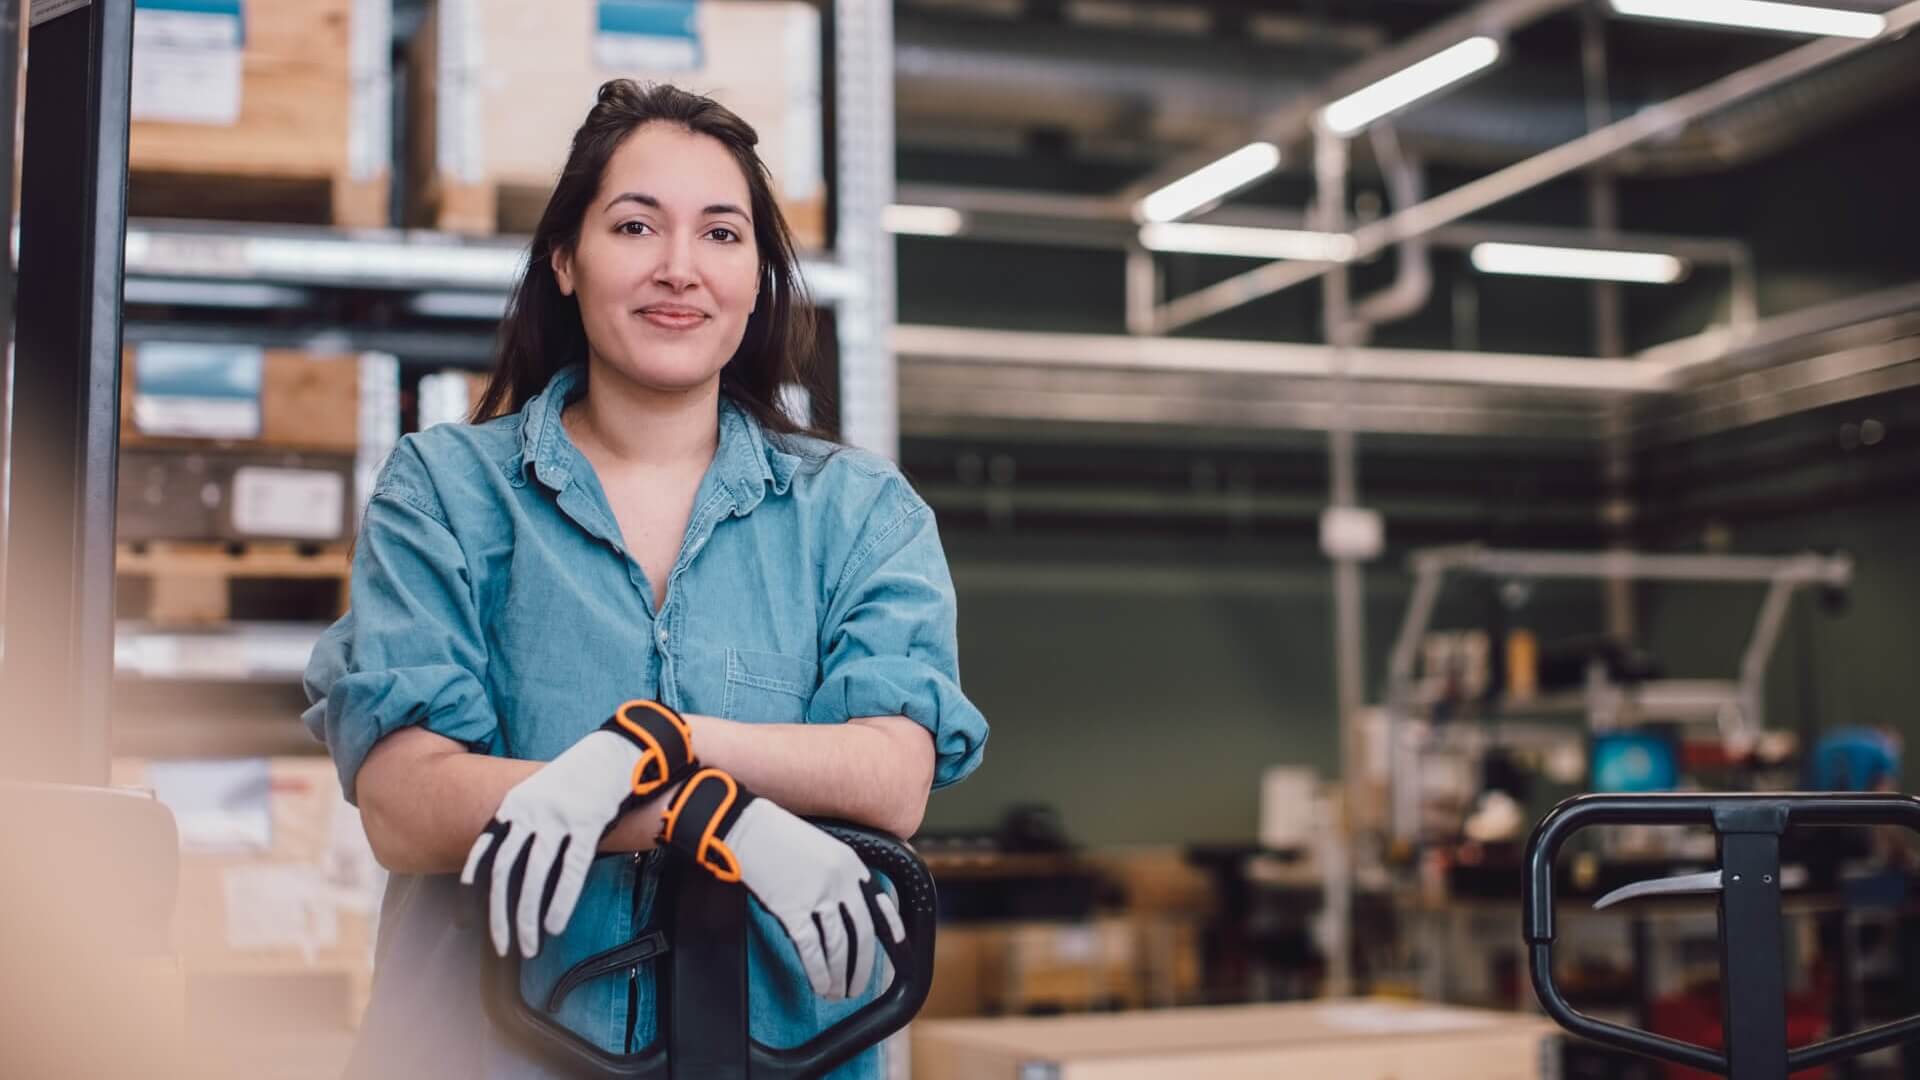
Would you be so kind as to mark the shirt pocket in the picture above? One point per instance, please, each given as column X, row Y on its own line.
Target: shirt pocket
column 768, row 687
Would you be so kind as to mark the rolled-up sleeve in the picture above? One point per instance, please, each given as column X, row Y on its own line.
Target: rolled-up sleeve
column 410, row 649
column 890, row 646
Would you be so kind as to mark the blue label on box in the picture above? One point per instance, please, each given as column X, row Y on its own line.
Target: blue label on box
column 647, row 36
column 197, row 391
column 230, row 8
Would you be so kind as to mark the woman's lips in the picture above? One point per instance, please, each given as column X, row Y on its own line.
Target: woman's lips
column 673, row 318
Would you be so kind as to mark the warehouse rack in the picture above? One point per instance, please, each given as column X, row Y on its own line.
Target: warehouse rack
column 415, row 299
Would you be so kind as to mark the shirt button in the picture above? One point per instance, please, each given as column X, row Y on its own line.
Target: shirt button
column 663, row 637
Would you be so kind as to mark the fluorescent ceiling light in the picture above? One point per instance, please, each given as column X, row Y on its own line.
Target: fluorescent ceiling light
column 1761, row 15
column 1250, row 242
column 1410, row 84
column 921, row 220
column 1210, row 183
column 1534, row 260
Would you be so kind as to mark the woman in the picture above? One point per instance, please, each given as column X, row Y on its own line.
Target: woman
column 642, row 522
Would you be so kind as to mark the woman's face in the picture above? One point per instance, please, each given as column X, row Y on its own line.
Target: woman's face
column 666, row 269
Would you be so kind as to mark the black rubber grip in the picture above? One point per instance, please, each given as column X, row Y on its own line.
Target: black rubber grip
column 536, row 1032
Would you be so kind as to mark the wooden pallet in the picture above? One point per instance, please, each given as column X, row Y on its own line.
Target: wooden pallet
column 318, row 199
column 180, row 583
column 309, row 141
column 481, row 209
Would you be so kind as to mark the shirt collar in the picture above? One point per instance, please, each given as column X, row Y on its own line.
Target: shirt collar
column 746, row 461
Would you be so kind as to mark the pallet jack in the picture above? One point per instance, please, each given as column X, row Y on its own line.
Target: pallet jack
column 1748, row 828
column 703, row 999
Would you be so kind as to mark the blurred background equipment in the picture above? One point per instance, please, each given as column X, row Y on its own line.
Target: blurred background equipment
column 1353, row 428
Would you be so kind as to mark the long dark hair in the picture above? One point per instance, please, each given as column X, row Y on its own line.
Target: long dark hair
column 542, row 331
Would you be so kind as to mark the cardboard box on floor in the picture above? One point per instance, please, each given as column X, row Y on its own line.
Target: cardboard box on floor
column 305, row 904
column 1351, row 1040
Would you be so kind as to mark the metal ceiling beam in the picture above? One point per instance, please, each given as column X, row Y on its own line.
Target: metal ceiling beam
column 1753, row 397
column 951, row 399
column 1294, row 122
column 957, row 379
column 1571, row 157
column 1214, row 357
column 1807, row 569
column 1103, row 222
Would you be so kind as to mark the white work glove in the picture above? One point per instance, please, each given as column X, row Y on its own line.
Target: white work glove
column 534, row 855
column 814, row 885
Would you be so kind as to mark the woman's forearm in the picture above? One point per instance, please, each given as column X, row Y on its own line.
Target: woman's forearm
column 424, row 799
column 875, row 771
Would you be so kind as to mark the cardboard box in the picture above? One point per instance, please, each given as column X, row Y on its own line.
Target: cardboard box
column 968, row 963
column 276, row 877
column 1347, row 1040
column 251, row 109
column 307, row 497
column 1072, row 967
column 174, row 495
column 212, row 495
column 504, row 84
column 208, row 397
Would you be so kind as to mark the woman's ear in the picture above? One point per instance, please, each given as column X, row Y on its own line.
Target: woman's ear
column 562, row 262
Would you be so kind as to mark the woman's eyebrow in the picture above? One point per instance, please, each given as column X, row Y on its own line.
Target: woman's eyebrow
column 653, row 203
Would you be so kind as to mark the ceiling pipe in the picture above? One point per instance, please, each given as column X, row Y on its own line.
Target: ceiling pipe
column 1413, row 281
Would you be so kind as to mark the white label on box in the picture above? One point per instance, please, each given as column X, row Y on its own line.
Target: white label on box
column 305, row 504
column 209, row 418
column 197, row 391
column 279, row 905
column 186, row 65
column 1075, row 945
column 635, row 37
column 221, row 807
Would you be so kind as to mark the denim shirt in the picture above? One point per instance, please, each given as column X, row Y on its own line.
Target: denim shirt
column 493, row 602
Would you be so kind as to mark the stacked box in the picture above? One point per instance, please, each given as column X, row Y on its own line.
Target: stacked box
column 504, row 83
column 236, row 443
column 276, row 877
column 270, row 110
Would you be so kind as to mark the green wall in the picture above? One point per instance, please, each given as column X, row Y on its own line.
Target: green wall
column 1857, row 666
column 1140, row 688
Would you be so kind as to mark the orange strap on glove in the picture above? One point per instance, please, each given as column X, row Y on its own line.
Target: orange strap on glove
column 813, row 884
column 666, row 747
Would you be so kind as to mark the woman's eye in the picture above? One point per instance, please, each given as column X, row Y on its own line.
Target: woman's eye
column 723, row 234
column 635, row 228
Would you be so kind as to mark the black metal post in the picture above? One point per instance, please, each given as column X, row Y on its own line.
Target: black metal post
column 1845, row 1015
column 10, row 116
column 1753, row 983
column 59, row 604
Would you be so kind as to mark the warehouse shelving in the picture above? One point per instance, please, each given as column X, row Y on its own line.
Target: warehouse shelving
column 430, row 300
